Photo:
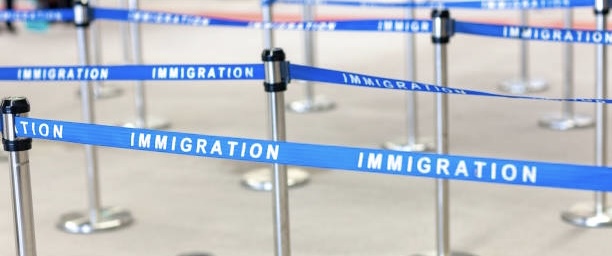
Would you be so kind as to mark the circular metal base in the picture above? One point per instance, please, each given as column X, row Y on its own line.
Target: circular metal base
column 584, row 215
column 105, row 91
column 261, row 179
column 318, row 104
column 152, row 123
column 565, row 122
column 406, row 147
column 110, row 218
column 520, row 86
column 450, row 254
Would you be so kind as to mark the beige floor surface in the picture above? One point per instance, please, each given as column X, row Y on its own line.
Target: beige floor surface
column 183, row 204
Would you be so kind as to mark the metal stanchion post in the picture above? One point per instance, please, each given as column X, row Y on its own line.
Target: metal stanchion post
column 599, row 214
column 442, row 31
column 125, row 35
column 100, row 90
column 524, row 84
column 275, row 85
column 568, row 119
column 312, row 103
column 96, row 218
column 261, row 178
column 20, row 174
column 142, row 119
column 412, row 140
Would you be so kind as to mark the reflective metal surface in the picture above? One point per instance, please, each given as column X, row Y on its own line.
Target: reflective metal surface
column 586, row 215
column 21, row 188
column 409, row 146
column 151, row 123
column 309, row 105
column 412, row 142
column 142, row 119
column 561, row 122
column 597, row 215
column 105, row 91
column 568, row 119
column 312, row 102
column 522, row 86
column 108, row 219
column 261, row 179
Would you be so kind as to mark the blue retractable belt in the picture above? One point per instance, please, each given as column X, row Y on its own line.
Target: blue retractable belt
column 480, row 169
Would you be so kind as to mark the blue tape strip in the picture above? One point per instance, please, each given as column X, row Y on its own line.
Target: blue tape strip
column 38, row 15
column 238, row 72
column 535, row 33
column 307, row 73
column 134, row 72
column 397, row 25
column 383, row 25
column 480, row 169
column 484, row 4
column 164, row 18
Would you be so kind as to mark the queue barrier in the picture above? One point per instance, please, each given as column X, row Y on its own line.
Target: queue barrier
column 205, row 72
column 439, row 166
column 549, row 34
column 320, row 156
column 482, row 4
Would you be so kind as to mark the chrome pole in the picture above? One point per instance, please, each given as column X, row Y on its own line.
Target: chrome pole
column 312, row 103
column 599, row 214
column 100, row 91
column 96, row 218
column 91, row 154
column 261, row 178
column 125, row 35
column 524, row 84
column 412, row 139
column 442, row 30
column 440, row 38
column 142, row 118
column 276, row 79
column 568, row 119
column 20, row 175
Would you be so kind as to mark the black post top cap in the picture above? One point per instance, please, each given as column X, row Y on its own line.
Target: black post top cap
column 274, row 54
column 440, row 13
column 15, row 105
column 81, row 2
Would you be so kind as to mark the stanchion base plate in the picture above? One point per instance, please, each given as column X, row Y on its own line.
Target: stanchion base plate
column 261, row 179
column 519, row 86
column 105, row 92
column 453, row 253
column 564, row 122
column 318, row 104
column 584, row 215
column 406, row 147
column 152, row 123
column 110, row 218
